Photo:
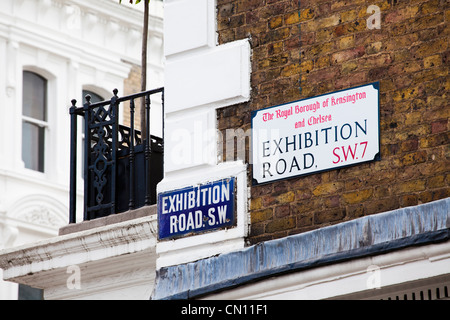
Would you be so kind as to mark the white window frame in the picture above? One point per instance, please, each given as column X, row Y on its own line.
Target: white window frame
column 39, row 123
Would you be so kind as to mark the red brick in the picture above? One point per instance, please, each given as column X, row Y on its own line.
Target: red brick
column 439, row 126
column 309, row 48
column 249, row 5
column 346, row 55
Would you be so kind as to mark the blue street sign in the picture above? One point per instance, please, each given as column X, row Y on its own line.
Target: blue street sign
column 197, row 209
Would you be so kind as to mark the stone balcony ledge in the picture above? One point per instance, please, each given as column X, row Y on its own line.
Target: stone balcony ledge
column 109, row 220
column 101, row 250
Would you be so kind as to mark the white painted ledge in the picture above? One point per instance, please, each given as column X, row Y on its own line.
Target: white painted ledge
column 216, row 77
column 378, row 277
column 403, row 245
column 102, row 255
column 190, row 24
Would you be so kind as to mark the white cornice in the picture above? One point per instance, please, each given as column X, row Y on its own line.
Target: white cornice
column 98, row 57
column 111, row 9
column 67, row 28
column 30, row 263
column 356, row 278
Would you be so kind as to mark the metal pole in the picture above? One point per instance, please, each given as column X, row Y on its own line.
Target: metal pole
column 132, row 162
column 73, row 164
column 148, row 151
column 115, row 129
column 87, row 142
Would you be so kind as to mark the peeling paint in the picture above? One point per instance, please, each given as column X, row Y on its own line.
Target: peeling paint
column 371, row 235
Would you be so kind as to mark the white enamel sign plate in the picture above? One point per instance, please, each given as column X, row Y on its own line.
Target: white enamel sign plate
column 322, row 133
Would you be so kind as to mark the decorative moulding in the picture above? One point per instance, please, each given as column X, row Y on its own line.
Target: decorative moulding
column 45, row 264
column 39, row 209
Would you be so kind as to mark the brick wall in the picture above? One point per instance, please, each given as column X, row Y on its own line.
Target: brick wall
column 306, row 48
column 132, row 85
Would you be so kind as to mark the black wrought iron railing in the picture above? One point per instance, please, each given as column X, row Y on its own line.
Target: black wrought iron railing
column 122, row 166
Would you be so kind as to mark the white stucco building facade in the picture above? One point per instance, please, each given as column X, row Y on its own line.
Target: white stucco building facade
column 402, row 253
column 201, row 77
column 69, row 47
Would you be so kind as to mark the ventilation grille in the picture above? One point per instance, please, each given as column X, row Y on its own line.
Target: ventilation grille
column 433, row 293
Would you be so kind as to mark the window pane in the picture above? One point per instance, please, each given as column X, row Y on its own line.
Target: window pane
column 29, row 293
column 34, row 96
column 33, row 146
column 94, row 97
